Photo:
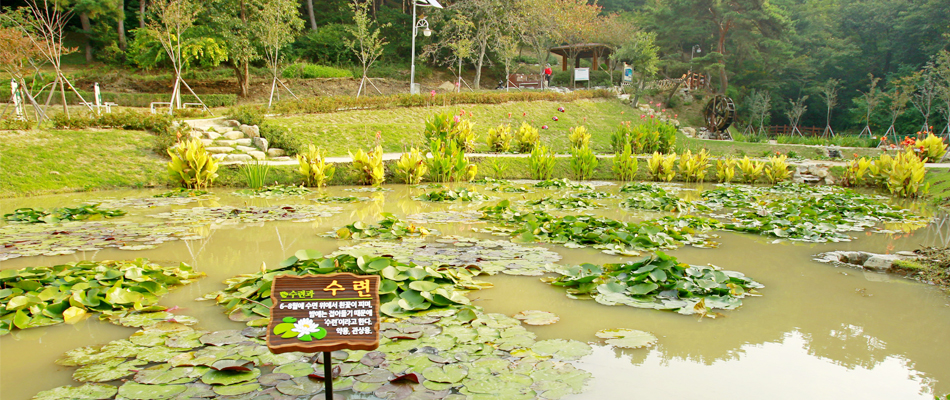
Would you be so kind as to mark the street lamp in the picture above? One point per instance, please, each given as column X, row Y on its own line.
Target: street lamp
column 422, row 23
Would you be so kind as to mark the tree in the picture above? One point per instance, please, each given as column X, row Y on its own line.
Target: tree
column 235, row 22
column 486, row 23
column 795, row 111
column 365, row 42
column 92, row 9
column 942, row 68
column 925, row 83
column 760, row 102
column 871, row 99
column 18, row 51
column 829, row 93
column 576, row 25
column 535, row 22
column 897, row 98
column 278, row 23
column 506, row 48
column 638, row 49
column 167, row 23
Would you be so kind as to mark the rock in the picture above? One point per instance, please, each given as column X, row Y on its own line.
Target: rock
column 880, row 262
column 829, row 180
column 258, row 155
column 219, row 150
column 195, row 134
column 232, row 122
column 252, row 131
column 224, row 142
column 833, row 152
column 688, row 131
column 282, row 158
column 275, row 152
column 447, row 86
column 906, row 253
column 245, row 149
column 238, row 157
column 244, row 142
column 213, row 135
column 797, row 178
column 206, row 142
column 260, row 143
column 218, row 156
column 234, row 135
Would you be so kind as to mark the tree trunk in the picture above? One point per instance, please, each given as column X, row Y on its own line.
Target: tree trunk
column 87, row 28
column 313, row 19
column 141, row 13
column 723, row 80
column 121, row 25
column 242, row 73
column 478, row 69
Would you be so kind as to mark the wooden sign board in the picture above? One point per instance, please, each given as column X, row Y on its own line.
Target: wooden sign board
column 314, row 313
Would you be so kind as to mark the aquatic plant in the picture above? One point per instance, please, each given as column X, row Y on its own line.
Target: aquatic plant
column 693, row 167
column 453, row 195
column 527, row 138
column 314, row 167
column 725, row 169
column 499, row 139
column 776, row 169
column 659, row 200
column 86, row 212
column 182, row 192
column 274, row 191
column 541, row 163
column 191, row 165
column 255, row 174
column 751, row 169
column 583, row 163
column 855, row 171
column 411, row 167
column 658, row 282
column 67, row 293
column 389, row 228
column 369, row 166
column 562, row 203
column 447, row 163
column 661, row 166
column 906, row 175
column 562, row 183
column 932, row 148
column 625, row 164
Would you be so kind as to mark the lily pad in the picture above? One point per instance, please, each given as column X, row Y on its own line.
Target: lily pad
column 450, row 373
column 536, row 317
column 568, row 350
column 95, row 391
column 213, row 377
column 300, row 386
column 295, row 369
column 232, row 390
column 273, row 379
column 138, row 391
column 221, row 338
column 108, row 370
column 627, row 338
column 164, row 373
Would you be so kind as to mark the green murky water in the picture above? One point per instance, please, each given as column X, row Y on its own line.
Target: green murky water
column 818, row 331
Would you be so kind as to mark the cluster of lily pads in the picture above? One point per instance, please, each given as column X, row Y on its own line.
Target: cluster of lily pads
column 274, row 191
column 562, row 203
column 183, row 192
column 443, row 354
column 82, row 213
column 228, row 214
column 67, row 293
column 562, row 184
column 654, row 198
column 658, row 282
column 18, row 240
column 612, row 236
column 488, row 256
column 340, row 199
column 389, row 227
column 453, row 195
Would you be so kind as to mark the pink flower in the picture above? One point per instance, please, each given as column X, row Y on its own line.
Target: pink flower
column 432, row 93
column 675, row 115
column 457, row 119
column 642, row 116
column 651, row 116
column 663, row 110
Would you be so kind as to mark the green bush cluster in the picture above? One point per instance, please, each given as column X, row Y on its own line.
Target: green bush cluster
column 304, row 70
column 7, row 124
column 145, row 99
column 282, row 137
column 648, row 137
column 840, row 140
column 126, row 119
column 247, row 114
column 597, row 78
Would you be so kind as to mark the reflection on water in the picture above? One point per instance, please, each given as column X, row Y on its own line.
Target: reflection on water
column 818, row 331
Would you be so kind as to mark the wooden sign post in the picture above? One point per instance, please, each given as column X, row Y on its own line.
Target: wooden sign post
column 324, row 313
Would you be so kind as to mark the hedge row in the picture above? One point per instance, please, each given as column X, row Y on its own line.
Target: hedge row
column 139, row 99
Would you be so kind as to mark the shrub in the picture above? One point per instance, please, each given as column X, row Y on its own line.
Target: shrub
column 326, row 45
column 854, row 171
column 499, row 139
column 906, row 174
column 313, row 71
column 751, row 169
column 579, row 137
column 725, row 169
column 411, row 167
column 661, row 166
column 621, row 137
column 191, row 165
column 15, row 125
column 497, row 166
column 776, row 170
column 693, row 167
column 314, row 168
column 541, row 163
column 369, row 166
column 625, row 164
column 597, row 78
column 445, row 127
column 583, row 162
column 438, row 126
column 932, row 148
column 281, row 137
column 247, row 114
column 448, row 163
column 527, row 138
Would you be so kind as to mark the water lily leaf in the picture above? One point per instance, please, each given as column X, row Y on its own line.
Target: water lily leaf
column 184, row 340
column 300, row 386
column 373, row 358
column 148, row 339
column 438, row 386
column 366, row 387
column 536, row 317
column 564, row 349
column 627, row 338
column 232, row 390
column 95, row 391
column 221, row 338
column 232, row 365
column 138, row 391
column 213, row 377
column 83, row 356
column 108, row 370
column 394, row 391
column 73, row 315
column 547, row 371
column 407, row 377
column 376, row 375
column 450, row 373
column 295, row 369
column 157, row 354
column 553, row 390
column 273, row 379
column 505, row 385
column 164, row 373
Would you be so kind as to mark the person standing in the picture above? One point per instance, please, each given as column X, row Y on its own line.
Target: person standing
column 547, row 75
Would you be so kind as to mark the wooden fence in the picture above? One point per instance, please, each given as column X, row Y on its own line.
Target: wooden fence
column 786, row 130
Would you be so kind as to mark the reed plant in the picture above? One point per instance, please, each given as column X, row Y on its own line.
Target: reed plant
column 255, row 174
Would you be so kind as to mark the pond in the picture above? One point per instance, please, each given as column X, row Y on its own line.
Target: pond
column 817, row 331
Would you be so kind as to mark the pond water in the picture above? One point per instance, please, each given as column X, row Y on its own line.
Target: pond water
column 818, row 331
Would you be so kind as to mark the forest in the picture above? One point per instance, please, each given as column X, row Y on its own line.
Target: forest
column 827, row 59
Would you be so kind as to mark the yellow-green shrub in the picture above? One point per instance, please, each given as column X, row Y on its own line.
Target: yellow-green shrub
column 579, row 137
column 541, row 163
column 499, row 139
column 855, row 170
column 369, row 166
column 725, row 169
column 191, row 165
column 314, row 168
column 527, row 138
column 625, row 164
column 693, row 167
column 906, row 175
column 583, row 162
column 777, row 169
column 411, row 167
column 751, row 169
column 661, row 166
column 932, row 148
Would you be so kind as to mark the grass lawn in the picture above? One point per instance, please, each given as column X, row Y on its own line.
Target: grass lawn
column 399, row 128
column 49, row 161
column 739, row 149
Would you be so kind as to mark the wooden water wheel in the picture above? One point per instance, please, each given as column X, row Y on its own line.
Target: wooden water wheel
column 719, row 113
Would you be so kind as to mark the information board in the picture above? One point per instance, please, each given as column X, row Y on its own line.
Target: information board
column 627, row 74
column 581, row 74
column 314, row 313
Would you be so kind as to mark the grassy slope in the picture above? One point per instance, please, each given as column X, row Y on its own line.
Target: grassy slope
column 63, row 161
column 339, row 132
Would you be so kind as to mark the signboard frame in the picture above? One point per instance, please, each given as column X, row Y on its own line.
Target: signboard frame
column 581, row 74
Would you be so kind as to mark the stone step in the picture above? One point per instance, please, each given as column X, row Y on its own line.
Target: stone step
column 275, row 152
column 238, row 157
column 233, row 135
column 212, row 135
column 225, row 142
column 206, row 142
column 245, row 149
column 219, row 150
column 244, row 142
column 258, row 155
column 218, row 156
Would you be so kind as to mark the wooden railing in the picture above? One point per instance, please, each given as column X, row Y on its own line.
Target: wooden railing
column 786, row 130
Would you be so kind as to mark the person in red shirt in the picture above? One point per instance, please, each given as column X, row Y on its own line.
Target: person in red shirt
column 547, row 75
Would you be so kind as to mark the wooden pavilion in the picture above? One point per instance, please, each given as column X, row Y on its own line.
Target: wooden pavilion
column 594, row 51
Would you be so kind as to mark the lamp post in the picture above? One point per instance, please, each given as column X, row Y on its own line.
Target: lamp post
column 422, row 23
column 695, row 49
